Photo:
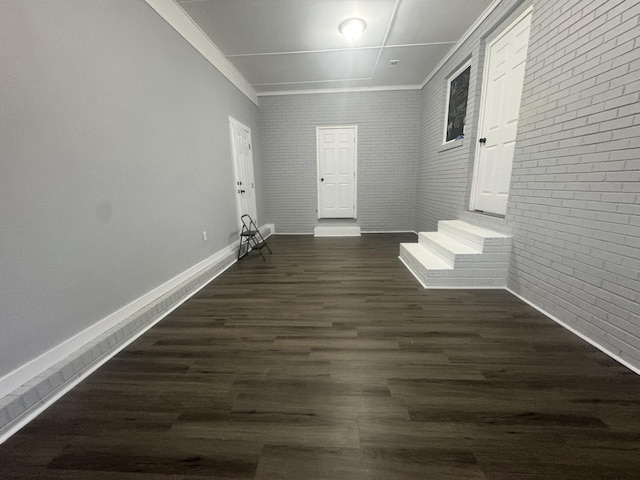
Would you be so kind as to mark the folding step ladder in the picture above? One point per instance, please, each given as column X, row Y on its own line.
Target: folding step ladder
column 250, row 238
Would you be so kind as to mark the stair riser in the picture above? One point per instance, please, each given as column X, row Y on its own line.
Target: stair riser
column 437, row 249
column 423, row 274
column 493, row 260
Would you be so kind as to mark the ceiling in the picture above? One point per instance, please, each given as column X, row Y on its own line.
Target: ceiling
column 295, row 45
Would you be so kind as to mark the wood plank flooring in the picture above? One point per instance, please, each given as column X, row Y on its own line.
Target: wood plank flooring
column 329, row 361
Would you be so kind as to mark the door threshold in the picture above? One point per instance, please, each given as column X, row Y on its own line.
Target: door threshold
column 488, row 214
column 336, row 231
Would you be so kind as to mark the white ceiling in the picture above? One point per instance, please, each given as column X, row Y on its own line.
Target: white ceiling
column 292, row 45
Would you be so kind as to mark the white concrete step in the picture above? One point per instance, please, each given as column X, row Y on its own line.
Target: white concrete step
column 447, row 247
column 459, row 255
column 427, row 259
column 484, row 239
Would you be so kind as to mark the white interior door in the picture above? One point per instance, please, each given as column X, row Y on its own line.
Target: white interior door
column 243, row 168
column 500, row 106
column 336, row 150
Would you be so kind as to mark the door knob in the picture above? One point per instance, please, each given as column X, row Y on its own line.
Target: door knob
column 322, row 179
column 483, row 140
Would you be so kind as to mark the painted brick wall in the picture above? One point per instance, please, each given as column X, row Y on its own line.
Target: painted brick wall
column 575, row 195
column 444, row 176
column 388, row 126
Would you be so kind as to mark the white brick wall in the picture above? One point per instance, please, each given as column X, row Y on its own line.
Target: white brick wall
column 388, row 126
column 574, row 204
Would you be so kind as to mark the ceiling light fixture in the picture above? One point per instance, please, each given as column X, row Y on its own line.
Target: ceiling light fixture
column 352, row 28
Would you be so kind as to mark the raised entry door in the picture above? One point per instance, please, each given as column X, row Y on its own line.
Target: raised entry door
column 336, row 150
column 500, row 107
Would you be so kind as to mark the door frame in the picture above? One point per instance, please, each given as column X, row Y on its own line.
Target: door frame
column 233, row 124
column 354, row 127
column 483, row 100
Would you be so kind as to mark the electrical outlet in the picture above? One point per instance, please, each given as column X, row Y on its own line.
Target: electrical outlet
column 204, row 236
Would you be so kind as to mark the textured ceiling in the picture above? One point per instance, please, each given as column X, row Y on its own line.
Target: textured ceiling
column 289, row 45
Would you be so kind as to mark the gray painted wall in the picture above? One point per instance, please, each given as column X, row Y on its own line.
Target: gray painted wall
column 575, row 194
column 388, row 126
column 115, row 156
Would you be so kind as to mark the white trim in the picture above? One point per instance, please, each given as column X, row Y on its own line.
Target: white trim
column 449, row 79
column 182, row 23
column 463, row 39
column 592, row 342
column 336, row 231
column 355, row 165
column 338, row 90
column 483, row 99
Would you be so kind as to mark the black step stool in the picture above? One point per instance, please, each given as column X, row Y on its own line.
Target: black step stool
column 251, row 238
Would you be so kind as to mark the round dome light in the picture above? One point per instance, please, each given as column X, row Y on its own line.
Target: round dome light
column 352, row 28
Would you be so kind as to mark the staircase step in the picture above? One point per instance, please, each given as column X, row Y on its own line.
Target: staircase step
column 447, row 248
column 433, row 272
column 484, row 239
column 427, row 258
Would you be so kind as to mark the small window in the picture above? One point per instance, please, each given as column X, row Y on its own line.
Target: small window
column 456, row 112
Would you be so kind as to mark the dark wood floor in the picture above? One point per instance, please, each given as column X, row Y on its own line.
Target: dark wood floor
column 329, row 361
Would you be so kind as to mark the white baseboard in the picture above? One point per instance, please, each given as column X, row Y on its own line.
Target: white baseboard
column 52, row 374
column 584, row 337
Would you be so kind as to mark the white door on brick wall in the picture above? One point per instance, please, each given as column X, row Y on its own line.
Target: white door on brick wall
column 336, row 150
column 500, row 105
column 243, row 169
